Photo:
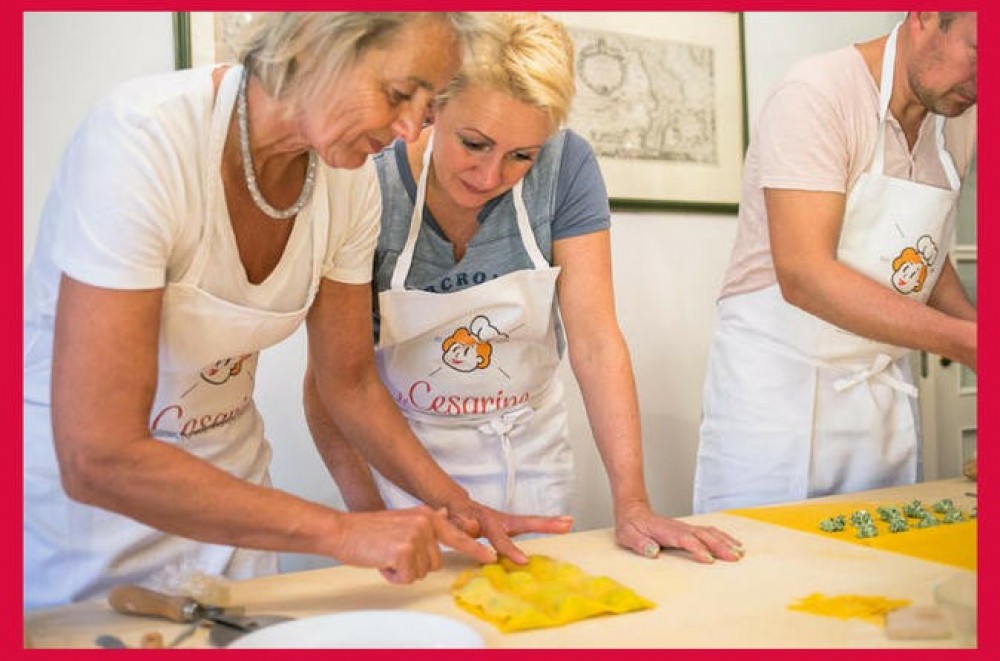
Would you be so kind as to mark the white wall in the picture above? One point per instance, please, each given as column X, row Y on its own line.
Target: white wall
column 775, row 41
column 70, row 59
column 667, row 266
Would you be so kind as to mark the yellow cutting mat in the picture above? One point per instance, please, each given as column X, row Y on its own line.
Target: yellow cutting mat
column 950, row 544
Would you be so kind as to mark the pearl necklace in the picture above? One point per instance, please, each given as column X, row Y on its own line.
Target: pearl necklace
column 248, row 171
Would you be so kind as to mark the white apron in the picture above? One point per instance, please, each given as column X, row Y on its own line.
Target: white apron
column 474, row 372
column 208, row 351
column 795, row 407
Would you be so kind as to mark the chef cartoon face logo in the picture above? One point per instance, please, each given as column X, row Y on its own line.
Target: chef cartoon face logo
column 911, row 266
column 469, row 348
column 222, row 370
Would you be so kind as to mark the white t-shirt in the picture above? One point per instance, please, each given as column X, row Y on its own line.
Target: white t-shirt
column 128, row 206
column 817, row 132
column 138, row 191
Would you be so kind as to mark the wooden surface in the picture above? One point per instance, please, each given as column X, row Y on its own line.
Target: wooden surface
column 741, row 604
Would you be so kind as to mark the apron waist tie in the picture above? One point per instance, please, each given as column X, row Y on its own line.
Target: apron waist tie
column 501, row 427
column 877, row 370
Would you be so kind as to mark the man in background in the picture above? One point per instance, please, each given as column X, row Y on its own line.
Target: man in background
column 840, row 268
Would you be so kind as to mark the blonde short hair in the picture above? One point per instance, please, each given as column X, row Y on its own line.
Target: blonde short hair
column 527, row 55
column 293, row 54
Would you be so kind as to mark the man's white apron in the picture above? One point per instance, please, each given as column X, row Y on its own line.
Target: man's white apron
column 796, row 407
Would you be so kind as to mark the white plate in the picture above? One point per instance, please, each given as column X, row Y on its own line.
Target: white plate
column 364, row 629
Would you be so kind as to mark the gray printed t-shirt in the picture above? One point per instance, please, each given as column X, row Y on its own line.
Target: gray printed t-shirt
column 564, row 194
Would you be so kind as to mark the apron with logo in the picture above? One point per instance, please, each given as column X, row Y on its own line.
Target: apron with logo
column 474, row 373
column 795, row 407
column 208, row 349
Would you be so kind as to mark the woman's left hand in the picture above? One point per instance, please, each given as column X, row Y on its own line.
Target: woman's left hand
column 499, row 527
column 643, row 531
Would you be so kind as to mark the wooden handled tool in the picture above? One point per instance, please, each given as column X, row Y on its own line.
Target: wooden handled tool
column 136, row 600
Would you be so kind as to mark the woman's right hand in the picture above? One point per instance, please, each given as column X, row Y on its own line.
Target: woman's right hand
column 403, row 544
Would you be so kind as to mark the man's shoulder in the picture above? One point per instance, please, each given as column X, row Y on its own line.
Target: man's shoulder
column 838, row 80
column 829, row 68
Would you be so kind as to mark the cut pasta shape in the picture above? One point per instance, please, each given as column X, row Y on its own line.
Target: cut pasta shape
column 543, row 593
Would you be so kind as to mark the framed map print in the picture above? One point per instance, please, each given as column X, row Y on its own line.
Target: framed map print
column 660, row 97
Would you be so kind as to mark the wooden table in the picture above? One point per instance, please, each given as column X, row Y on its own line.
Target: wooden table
column 723, row 605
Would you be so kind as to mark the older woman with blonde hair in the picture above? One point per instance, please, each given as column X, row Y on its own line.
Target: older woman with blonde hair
column 497, row 213
column 197, row 218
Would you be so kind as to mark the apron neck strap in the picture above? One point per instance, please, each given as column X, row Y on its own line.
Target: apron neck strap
column 946, row 161
column 888, row 74
column 884, row 96
column 524, row 226
column 225, row 102
column 416, row 220
column 405, row 259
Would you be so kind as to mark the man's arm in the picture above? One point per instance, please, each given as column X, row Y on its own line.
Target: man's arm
column 950, row 297
column 804, row 228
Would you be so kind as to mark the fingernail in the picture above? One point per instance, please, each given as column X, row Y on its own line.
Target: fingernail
column 651, row 550
column 738, row 550
column 707, row 557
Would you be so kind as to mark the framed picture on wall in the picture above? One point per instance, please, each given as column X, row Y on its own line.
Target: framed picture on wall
column 205, row 37
column 660, row 97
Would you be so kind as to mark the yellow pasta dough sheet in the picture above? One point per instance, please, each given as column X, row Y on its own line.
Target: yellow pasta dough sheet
column 950, row 544
column 871, row 608
column 543, row 593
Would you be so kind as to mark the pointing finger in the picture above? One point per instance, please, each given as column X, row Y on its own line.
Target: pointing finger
column 451, row 536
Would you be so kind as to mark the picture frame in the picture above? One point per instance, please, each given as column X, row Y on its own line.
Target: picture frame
column 661, row 98
column 205, row 37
